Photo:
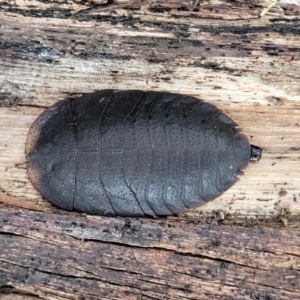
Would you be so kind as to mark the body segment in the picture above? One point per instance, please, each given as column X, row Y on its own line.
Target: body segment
column 134, row 153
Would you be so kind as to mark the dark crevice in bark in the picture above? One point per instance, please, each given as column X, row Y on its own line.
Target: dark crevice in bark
column 9, row 289
column 188, row 254
column 31, row 105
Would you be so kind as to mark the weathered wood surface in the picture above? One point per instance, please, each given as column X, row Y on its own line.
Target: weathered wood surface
column 248, row 67
column 67, row 257
column 244, row 57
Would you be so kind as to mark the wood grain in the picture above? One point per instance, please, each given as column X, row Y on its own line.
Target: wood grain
column 250, row 70
column 242, row 56
column 117, row 258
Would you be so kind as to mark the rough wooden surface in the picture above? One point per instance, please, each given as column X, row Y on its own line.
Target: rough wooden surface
column 248, row 67
column 244, row 57
column 116, row 258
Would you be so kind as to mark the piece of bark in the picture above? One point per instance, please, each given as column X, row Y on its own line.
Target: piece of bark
column 65, row 257
column 248, row 69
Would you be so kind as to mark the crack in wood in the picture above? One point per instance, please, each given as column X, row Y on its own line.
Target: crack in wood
column 31, row 105
column 183, row 259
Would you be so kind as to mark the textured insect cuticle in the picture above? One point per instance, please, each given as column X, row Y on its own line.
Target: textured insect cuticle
column 135, row 153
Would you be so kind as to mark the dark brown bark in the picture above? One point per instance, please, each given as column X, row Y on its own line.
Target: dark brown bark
column 68, row 256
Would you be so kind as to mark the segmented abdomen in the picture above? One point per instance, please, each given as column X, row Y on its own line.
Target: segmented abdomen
column 134, row 153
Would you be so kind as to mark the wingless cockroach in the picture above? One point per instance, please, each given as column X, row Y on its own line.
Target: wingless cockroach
column 135, row 153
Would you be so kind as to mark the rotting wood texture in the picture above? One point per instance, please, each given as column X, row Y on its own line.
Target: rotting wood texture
column 64, row 257
column 243, row 57
column 247, row 66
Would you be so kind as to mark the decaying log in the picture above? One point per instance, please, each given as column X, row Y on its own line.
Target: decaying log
column 67, row 256
column 244, row 57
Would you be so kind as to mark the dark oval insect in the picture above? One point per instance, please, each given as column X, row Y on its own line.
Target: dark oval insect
column 135, row 153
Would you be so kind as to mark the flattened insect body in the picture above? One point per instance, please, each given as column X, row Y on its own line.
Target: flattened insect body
column 135, row 153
